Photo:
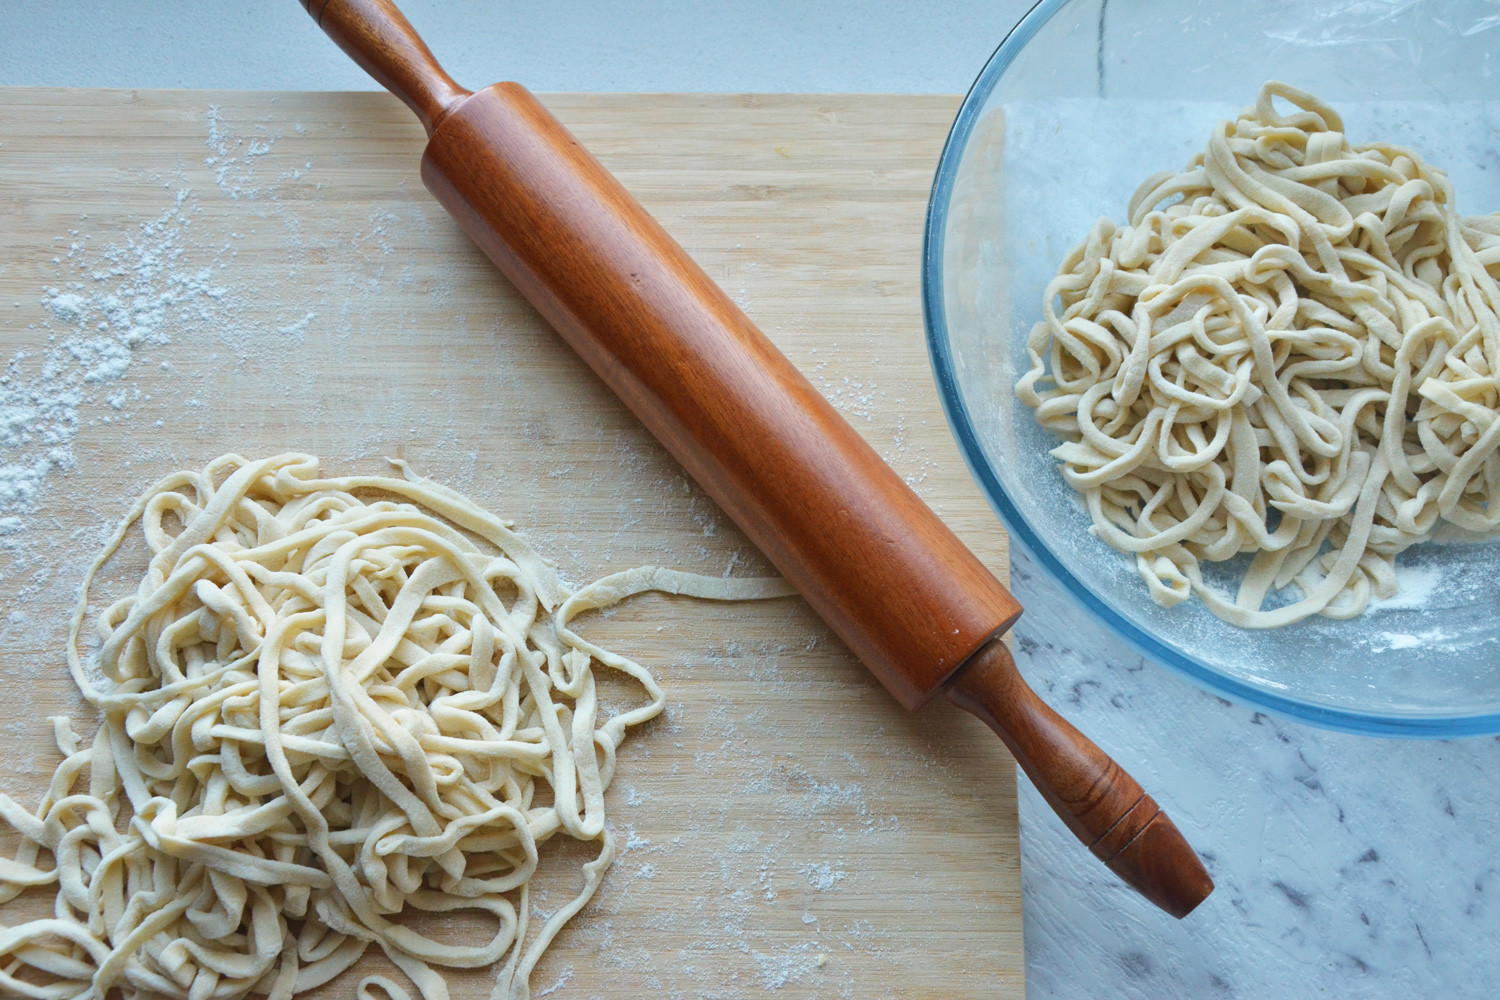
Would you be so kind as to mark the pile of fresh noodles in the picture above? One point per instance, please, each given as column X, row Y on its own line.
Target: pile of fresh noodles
column 324, row 713
column 1290, row 351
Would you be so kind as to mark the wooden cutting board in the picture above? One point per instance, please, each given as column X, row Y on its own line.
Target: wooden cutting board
column 291, row 286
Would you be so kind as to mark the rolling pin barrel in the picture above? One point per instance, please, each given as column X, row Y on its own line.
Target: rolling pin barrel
column 921, row 611
column 889, row 577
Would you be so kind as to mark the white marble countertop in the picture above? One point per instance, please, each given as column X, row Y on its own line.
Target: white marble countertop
column 1346, row 866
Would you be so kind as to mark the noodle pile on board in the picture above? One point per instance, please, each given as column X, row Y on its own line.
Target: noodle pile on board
column 322, row 714
column 1291, row 350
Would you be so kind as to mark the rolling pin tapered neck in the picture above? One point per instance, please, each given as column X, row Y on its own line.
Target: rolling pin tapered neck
column 376, row 36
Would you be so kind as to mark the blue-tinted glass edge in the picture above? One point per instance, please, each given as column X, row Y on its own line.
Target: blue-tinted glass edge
column 1021, row 532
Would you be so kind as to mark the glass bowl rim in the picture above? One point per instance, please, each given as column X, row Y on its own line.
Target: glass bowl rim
column 1021, row 531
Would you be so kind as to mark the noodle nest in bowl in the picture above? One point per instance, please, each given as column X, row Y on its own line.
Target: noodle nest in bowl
column 324, row 712
column 1289, row 351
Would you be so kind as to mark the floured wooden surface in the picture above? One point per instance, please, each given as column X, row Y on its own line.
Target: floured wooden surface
column 291, row 286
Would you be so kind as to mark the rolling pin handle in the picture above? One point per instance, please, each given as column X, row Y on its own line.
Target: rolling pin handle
column 1103, row 806
column 376, row 36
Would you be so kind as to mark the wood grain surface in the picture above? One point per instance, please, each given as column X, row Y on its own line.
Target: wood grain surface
column 789, row 829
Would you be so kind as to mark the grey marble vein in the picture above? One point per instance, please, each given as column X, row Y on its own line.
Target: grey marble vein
column 1347, row 866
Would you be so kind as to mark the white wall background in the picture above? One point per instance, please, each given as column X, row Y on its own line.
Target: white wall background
column 896, row 46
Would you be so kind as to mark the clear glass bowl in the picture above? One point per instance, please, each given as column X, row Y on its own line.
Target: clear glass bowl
column 1080, row 103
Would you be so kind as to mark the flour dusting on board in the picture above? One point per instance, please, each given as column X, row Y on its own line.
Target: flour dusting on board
column 131, row 322
column 765, row 915
column 118, row 302
column 234, row 157
column 223, row 273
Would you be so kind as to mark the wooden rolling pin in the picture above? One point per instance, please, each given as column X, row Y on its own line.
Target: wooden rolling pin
column 897, row 586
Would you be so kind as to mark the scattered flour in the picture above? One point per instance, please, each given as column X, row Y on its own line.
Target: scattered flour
column 298, row 328
column 1401, row 640
column 155, row 288
column 823, row 876
column 125, row 298
column 562, row 980
column 1417, row 584
column 1427, row 639
column 232, row 158
column 776, row 971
